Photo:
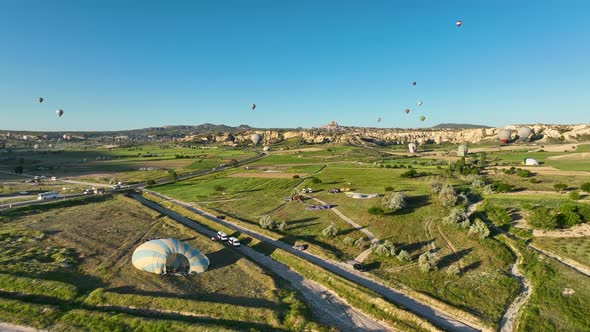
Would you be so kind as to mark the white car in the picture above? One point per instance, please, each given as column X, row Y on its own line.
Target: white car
column 115, row 187
column 234, row 241
column 309, row 190
column 222, row 236
column 304, row 190
column 53, row 178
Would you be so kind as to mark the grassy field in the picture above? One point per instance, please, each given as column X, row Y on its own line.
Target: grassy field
column 576, row 248
column 416, row 229
column 560, row 300
column 102, row 164
column 74, row 259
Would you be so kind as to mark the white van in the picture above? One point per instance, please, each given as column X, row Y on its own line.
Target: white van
column 234, row 241
column 47, row 195
column 222, row 236
column 309, row 190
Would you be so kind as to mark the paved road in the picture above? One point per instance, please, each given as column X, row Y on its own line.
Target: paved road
column 38, row 202
column 329, row 308
column 435, row 316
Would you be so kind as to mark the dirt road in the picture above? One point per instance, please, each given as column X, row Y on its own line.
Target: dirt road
column 330, row 309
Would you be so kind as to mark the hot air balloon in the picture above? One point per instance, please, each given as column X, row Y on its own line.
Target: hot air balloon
column 253, row 106
column 462, row 150
column 407, row 110
column 413, row 147
column 40, row 99
column 420, row 103
column 255, row 138
column 414, row 83
column 459, row 23
column 59, row 112
column 422, row 118
column 163, row 256
column 504, row 135
column 378, row 120
column 524, row 133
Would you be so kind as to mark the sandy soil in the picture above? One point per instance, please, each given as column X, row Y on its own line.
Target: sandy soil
column 298, row 150
column 576, row 231
column 548, row 148
column 572, row 156
column 267, row 175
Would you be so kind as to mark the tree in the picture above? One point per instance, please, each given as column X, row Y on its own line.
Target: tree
column 436, row 186
column 18, row 170
column 447, row 196
column 172, row 175
column 427, row 262
column 479, row 228
column 389, row 188
column 585, row 187
column 282, row 226
column 150, row 182
column 316, row 181
column 560, row 187
column 524, row 173
column 404, row 256
column 394, row 201
column 575, row 195
column 330, row 231
column 296, row 176
column 409, row 174
column 387, row 249
column 219, row 188
column 457, row 216
column 543, row 218
column 267, row 222
column 348, row 241
column 453, row 270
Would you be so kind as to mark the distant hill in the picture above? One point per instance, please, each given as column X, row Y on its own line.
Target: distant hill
column 458, row 126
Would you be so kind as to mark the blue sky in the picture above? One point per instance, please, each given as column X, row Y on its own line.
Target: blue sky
column 132, row 64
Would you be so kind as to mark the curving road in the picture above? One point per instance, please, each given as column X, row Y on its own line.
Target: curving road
column 433, row 315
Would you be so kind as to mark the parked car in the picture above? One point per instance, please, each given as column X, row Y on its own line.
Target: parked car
column 234, row 241
column 300, row 247
column 115, row 187
column 222, row 236
column 304, row 190
column 23, row 192
column 309, row 190
column 220, row 217
column 53, row 178
column 359, row 267
column 88, row 191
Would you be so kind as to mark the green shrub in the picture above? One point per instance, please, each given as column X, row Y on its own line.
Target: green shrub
column 543, row 218
column 560, row 187
column 575, row 195
column 502, row 187
column 316, row 181
column 296, row 176
column 409, row 174
column 534, row 180
column 525, row 173
column 389, row 188
column 585, row 187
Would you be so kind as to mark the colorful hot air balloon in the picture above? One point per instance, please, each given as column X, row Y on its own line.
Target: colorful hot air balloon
column 459, row 23
column 253, row 106
column 40, row 99
column 407, row 111
column 59, row 112
column 504, row 135
column 420, row 103
column 422, row 118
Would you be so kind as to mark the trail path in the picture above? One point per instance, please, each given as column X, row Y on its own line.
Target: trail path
column 7, row 327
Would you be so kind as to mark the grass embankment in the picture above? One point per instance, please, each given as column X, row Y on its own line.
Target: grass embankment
column 357, row 296
column 68, row 265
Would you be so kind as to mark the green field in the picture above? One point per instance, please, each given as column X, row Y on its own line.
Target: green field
column 576, row 248
column 74, row 258
column 551, row 307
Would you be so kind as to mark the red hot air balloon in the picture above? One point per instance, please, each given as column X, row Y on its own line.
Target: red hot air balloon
column 407, row 110
column 459, row 23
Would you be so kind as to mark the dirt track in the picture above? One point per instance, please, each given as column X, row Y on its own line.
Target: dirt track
column 264, row 175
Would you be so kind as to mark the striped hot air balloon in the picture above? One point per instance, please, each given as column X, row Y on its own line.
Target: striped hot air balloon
column 169, row 256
